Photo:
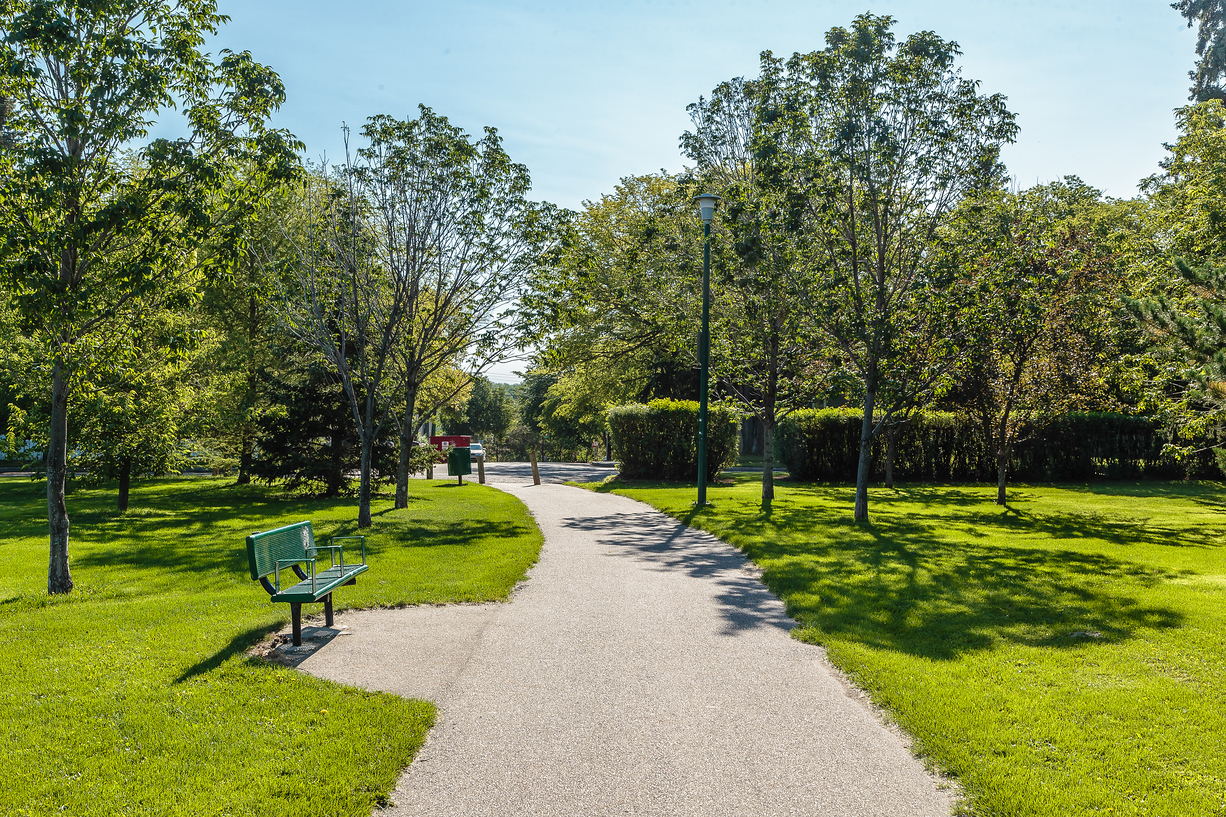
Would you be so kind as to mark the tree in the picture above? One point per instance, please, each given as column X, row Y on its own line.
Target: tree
column 1187, row 322
column 489, row 412
column 616, row 316
column 1209, row 17
column 346, row 304
column 455, row 229
column 1043, row 322
column 549, row 425
column 307, row 438
column 768, row 348
column 242, row 309
column 86, row 232
column 133, row 411
column 1183, row 311
column 1189, row 194
column 888, row 138
column 419, row 246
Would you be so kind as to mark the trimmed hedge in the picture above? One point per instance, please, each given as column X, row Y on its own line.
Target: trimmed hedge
column 659, row 440
column 824, row 445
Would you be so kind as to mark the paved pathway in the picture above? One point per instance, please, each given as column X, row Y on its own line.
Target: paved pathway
column 520, row 473
column 642, row 669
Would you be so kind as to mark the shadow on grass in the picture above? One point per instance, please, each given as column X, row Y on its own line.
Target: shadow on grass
column 238, row 645
column 934, row 589
column 979, row 516
column 201, row 552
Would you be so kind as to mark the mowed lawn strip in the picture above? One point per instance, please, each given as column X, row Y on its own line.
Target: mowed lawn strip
column 1064, row 657
column 134, row 695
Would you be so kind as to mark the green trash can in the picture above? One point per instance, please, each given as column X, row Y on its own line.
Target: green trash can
column 459, row 463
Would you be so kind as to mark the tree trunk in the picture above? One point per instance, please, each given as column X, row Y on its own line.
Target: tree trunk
column 891, row 445
column 768, row 463
column 336, row 467
column 125, row 483
column 402, row 468
column 866, row 455
column 244, row 459
column 59, row 579
column 408, row 433
column 768, row 423
column 1004, row 450
column 247, row 438
column 1002, row 472
column 429, row 435
column 368, row 442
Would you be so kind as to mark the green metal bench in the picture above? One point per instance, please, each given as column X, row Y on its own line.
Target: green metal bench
column 285, row 550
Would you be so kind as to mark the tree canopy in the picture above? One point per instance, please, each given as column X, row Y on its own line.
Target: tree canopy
column 89, row 228
column 1209, row 18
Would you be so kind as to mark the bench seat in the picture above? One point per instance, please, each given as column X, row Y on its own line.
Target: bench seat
column 284, row 551
column 325, row 582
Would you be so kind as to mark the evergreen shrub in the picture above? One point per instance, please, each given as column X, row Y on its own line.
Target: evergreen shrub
column 659, row 440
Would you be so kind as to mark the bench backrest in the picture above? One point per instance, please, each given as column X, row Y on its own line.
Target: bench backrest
column 289, row 542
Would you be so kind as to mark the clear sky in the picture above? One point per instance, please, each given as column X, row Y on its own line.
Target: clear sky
column 585, row 93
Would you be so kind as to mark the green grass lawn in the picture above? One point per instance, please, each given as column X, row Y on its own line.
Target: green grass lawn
column 134, row 695
column 1064, row 657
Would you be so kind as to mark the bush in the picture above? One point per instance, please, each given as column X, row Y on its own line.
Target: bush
column 1086, row 446
column 819, row 444
column 659, row 440
column 824, row 445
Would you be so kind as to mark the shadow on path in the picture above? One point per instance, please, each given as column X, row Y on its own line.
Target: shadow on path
column 668, row 545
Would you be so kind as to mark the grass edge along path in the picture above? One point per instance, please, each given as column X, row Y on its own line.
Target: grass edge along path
column 1064, row 657
column 135, row 696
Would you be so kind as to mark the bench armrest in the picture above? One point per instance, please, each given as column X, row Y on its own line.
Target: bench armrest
column 361, row 539
column 333, row 552
column 280, row 562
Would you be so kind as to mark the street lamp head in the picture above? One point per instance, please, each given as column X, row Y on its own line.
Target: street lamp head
column 706, row 206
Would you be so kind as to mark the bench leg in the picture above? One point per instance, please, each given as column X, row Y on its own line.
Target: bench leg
column 297, row 613
column 328, row 610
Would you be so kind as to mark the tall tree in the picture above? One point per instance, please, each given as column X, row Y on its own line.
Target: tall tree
column 132, row 412
column 1209, row 17
column 87, row 232
column 456, row 229
column 346, row 305
column 488, row 411
column 1044, row 320
column 615, row 318
column 242, row 310
column 422, row 243
column 1189, row 194
column 1183, row 312
column 768, row 350
column 889, row 138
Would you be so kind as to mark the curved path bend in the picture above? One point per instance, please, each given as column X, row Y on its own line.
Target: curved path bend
column 642, row 669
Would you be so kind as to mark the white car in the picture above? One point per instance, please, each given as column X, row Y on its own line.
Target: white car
column 476, row 452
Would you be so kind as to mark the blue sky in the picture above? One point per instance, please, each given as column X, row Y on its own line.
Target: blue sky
column 586, row 93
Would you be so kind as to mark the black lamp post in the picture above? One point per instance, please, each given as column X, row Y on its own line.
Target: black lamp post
column 706, row 209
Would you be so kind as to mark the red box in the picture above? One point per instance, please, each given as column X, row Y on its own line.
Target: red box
column 450, row 441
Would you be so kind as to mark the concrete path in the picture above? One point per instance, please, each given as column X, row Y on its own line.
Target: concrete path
column 642, row 669
column 520, row 473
